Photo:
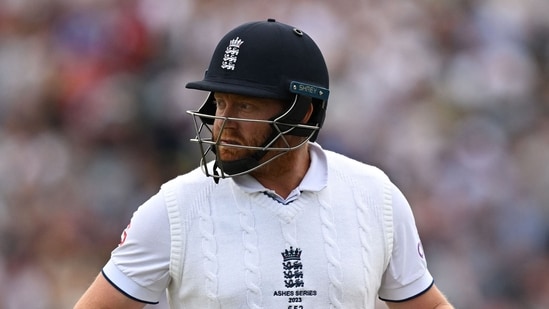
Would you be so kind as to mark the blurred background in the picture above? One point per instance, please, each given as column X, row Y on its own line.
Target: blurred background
column 450, row 98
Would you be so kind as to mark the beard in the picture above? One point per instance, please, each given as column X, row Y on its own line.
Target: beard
column 279, row 165
column 233, row 139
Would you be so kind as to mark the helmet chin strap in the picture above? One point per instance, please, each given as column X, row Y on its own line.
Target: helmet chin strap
column 238, row 166
column 233, row 167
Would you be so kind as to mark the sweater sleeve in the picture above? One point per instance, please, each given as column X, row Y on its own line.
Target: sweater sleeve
column 139, row 266
column 407, row 275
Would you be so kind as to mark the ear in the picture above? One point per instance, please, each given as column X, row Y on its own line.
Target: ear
column 308, row 114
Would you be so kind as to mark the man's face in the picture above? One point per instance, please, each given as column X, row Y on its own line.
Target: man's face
column 245, row 133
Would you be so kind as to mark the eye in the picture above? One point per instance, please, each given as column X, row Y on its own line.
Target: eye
column 245, row 106
column 220, row 104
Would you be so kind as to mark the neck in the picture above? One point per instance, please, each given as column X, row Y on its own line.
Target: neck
column 286, row 172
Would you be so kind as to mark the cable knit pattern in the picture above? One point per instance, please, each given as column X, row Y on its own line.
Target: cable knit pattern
column 378, row 201
column 251, row 251
column 231, row 241
column 331, row 248
column 364, row 236
column 209, row 250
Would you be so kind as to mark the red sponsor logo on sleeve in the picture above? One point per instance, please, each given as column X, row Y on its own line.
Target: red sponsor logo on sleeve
column 124, row 235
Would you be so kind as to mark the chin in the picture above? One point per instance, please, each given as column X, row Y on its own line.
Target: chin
column 230, row 155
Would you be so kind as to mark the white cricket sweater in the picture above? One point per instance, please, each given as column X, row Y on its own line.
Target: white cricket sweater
column 226, row 246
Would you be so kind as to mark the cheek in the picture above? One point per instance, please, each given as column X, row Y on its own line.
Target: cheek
column 218, row 125
column 261, row 133
column 250, row 133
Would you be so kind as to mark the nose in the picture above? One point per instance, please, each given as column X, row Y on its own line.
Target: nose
column 226, row 112
column 223, row 112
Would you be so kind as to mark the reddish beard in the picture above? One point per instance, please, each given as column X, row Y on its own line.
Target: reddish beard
column 231, row 153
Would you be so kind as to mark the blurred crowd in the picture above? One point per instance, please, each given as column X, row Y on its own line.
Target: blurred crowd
column 450, row 98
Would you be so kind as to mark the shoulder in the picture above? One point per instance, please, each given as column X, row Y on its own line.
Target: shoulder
column 190, row 183
column 189, row 192
column 344, row 166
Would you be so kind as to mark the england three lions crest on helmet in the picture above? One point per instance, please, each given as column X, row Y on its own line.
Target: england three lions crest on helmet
column 231, row 53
